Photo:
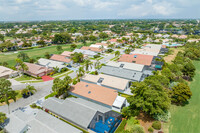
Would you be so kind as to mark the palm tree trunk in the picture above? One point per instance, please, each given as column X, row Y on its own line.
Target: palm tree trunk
column 8, row 110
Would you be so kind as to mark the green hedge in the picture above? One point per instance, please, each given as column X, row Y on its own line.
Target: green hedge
column 50, row 95
column 121, row 126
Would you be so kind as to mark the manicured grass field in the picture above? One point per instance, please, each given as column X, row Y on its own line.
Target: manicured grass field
column 187, row 119
column 32, row 53
column 24, row 77
column 35, row 53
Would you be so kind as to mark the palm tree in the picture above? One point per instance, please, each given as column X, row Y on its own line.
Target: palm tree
column 21, row 65
column 80, row 72
column 30, row 90
column 6, row 92
column 117, row 53
column 111, row 46
column 55, row 69
column 23, row 56
column 77, row 57
column 88, row 64
column 97, row 64
column 101, row 48
column 2, row 117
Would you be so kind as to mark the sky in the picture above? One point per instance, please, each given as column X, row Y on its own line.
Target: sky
column 30, row 10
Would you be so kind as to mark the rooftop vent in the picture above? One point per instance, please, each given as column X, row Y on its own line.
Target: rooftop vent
column 135, row 56
column 89, row 92
column 86, row 86
column 122, row 65
column 100, row 80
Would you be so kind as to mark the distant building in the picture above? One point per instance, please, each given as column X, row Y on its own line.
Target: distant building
column 7, row 72
column 94, row 49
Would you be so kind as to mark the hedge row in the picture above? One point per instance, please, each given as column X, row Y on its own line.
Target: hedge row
column 121, row 126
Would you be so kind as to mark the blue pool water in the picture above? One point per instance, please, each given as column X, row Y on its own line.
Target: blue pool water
column 172, row 45
column 108, row 126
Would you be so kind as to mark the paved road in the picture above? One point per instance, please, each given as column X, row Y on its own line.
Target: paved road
column 107, row 58
column 43, row 89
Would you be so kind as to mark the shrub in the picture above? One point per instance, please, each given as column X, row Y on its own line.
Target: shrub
column 121, row 126
column 33, row 105
column 96, row 56
column 137, row 129
column 64, row 69
column 165, row 117
column 38, row 77
column 50, row 95
column 94, row 73
column 74, row 81
column 109, row 51
column 156, row 125
column 150, row 129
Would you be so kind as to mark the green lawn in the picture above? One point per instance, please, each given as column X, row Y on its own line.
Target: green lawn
column 22, row 78
column 130, row 122
column 32, row 53
column 59, row 75
column 187, row 119
column 114, row 59
column 36, row 52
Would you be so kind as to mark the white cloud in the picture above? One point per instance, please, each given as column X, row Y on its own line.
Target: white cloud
column 149, row 7
column 22, row 1
column 95, row 4
column 89, row 9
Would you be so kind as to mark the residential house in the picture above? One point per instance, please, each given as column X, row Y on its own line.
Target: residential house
column 94, row 49
column 51, row 64
column 114, row 41
column 126, row 65
column 123, row 73
column 137, row 58
column 97, row 94
column 68, row 54
column 86, row 52
column 100, row 45
column 148, row 49
column 77, row 34
column 36, row 121
column 111, row 82
column 158, row 35
column 7, row 72
column 83, row 113
column 37, row 70
column 62, row 58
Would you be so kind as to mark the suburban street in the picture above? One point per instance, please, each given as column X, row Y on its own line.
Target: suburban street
column 43, row 89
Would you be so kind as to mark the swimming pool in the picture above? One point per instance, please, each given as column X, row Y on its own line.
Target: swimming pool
column 172, row 45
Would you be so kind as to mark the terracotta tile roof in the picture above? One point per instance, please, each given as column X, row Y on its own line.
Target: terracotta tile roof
column 60, row 58
column 95, row 92
column 67, row 53
column 136, row 58
column 36, row 69
column 91, row 49
column 104, row 44
column 112, row 40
